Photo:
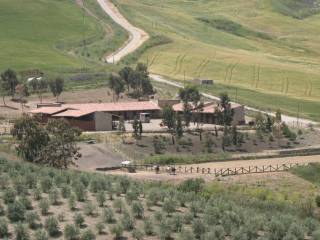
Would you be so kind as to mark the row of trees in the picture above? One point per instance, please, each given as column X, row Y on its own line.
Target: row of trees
column 135, row 81
column 193, row 105
column 53, row 144
column 11, row 85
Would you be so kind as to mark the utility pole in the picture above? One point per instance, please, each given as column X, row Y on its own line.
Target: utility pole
column 84, row 30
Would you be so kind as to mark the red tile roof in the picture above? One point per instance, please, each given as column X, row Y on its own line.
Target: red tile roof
column 78, row 110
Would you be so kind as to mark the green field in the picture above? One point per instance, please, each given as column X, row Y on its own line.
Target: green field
column 269, row 47
column 49, row 35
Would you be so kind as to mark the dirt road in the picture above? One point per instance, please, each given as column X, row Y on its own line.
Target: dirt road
column 150, row 175
column 137, row 36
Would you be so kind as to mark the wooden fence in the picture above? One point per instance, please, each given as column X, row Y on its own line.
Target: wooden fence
column 220, row 172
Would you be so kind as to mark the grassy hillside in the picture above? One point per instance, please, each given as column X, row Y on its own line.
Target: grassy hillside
column 251, row 45
column 49, row 35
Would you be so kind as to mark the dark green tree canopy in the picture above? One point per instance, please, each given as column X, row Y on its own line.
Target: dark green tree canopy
column 56, row 87
column 9, row 81
column 52, row 145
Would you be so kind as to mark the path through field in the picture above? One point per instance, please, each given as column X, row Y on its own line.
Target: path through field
column 139, row 36
column 151, row 175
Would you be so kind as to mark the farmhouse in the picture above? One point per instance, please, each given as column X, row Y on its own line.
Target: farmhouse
column 97, row 116
column 208, row 113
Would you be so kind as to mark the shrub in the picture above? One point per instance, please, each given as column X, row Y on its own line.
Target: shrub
column 65, row 191
column 127, row 221
column 188, row 217
column 169, row 206
column 41, row 235
column 176, row 223
column 296, row 231
column 107, row 215
column 16, row 211
column 71, row 232
column 148, row 227
column 101, row 198
column 165, row 230
column 21, row 232
column 311, row 225
column 195, row 208
column 316, row 235
column 132, row 195
column 4, row 232
column 117, row 231
column 72, row 202
column 26, row 202
column 186, row 234
column 88, row 235
column 137, row 234
column 137, row 210
column 32, row 218
column 37, row 194
column 318, row 200
column 159, row 145
column 78, row 219
column 44, row 205
column 46, row 184
column 9, row 196
column 216, row 232
column 80, row 191
column 158, row 216
column 276, row 229
column 192, row 185
column 89, row 208
column 52, row 226
column 100, row 227
column 198, row 228
column 61, row 217
column 118, row 205
column 54, row 196
column 2, row 210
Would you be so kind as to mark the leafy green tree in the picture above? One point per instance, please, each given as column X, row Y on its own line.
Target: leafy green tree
column 8, row 83
column 179, row 127
column 62, row 150
column 127, row 221
column 191, row 98
column 135, row 126
column 72, row 201
column 225, row 116
column 125, row 75
column 199, row 228
column 39, row 86
column 101, row 198
column 169, row 119
column 56, row 87
column 31, row 138
column 117, row 85
column 137, row 234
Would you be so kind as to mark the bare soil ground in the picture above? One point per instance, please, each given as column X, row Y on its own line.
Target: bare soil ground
column 190, row 144
column 151, row 175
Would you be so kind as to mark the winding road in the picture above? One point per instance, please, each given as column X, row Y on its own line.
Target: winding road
column 139, row 36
